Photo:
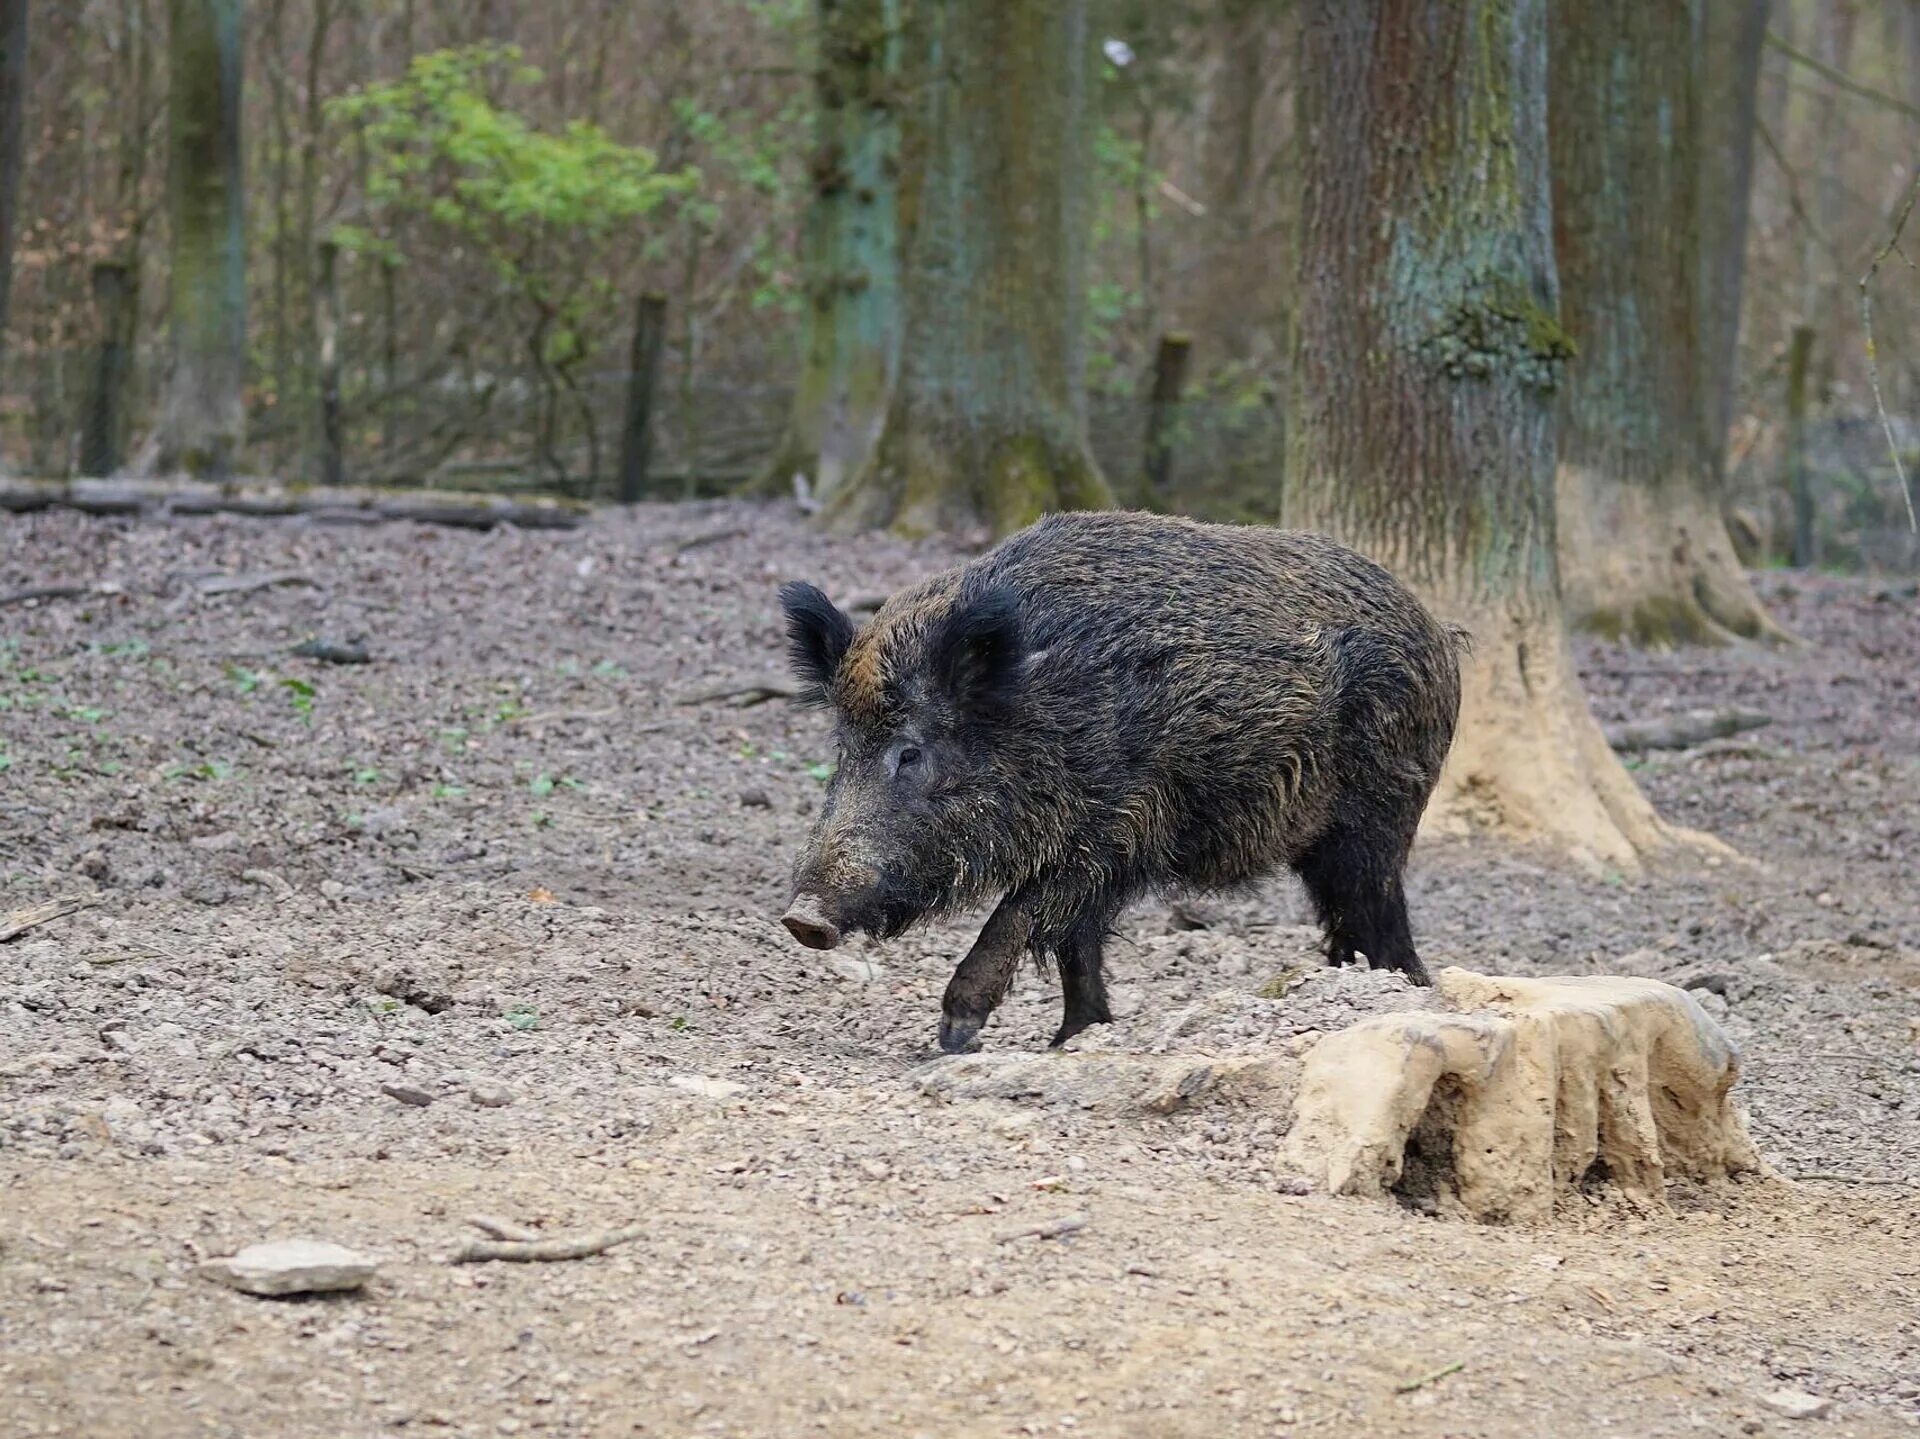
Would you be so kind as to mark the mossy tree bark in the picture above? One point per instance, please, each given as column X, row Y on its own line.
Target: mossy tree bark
column 987, row 422
column 850, row 249
column 1425, row 366
column 205, row 420
column 1644, row 550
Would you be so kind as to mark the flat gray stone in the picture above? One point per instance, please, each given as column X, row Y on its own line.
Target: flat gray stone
column 488, row 1094
column 290, row 1266
column 1796, row 1404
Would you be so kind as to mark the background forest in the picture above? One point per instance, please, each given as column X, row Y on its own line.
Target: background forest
column 468, row 206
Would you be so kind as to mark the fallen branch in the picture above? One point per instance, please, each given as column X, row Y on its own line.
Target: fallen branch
column 559, row 716
column 266, row 501
column 495, row 1228
column 333, row 652
column 531, row 1251
column 711, row 537
column 744, row 696
column 1050, row 1229
column 55, row 592
column 20, row 921
column 247, row 584
column 1683, row 731
column 1431, row 1378
column 1856, row 1179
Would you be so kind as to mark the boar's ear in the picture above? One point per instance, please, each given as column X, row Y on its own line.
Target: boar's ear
column 817, row 637
column 976, row 652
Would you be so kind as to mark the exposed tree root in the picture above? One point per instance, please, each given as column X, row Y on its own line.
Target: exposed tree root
column 1530, row 764
column 929, row 478
column 1653, row 566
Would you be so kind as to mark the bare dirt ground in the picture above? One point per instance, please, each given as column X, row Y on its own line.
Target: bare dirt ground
column 503, row 860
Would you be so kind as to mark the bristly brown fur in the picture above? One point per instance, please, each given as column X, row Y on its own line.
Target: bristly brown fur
column 1141, row 703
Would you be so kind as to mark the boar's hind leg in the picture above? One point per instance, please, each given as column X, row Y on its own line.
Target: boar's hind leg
column 1355, row 881
column 982, row 979
column 1082, row 986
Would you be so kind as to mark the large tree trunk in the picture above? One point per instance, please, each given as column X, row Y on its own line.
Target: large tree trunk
column 1644, row 550
column 1732, row 35
column 1427, row 358
column 205, row 419
column 850, row 249
column 988, row 418
column 13, row 79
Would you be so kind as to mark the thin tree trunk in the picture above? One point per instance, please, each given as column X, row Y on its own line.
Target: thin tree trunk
column 304, row 243
column 13, row 79
column 1163, row 412
column 326, row 304
column 643, row 379
column 1799, row 491
column 104, row 431
column 1238, row 37
column 1427, row 357
column 280, row 129
column 1733, row 34
column 1820, row 281
column 389, row 357
column 850, row 250
column 987, row 422
column 205, row 419
column 1644, row 550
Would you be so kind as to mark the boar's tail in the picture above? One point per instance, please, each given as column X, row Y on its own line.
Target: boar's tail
column 1460, row 637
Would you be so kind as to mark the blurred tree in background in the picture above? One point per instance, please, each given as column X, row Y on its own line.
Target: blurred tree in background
column 761, row 168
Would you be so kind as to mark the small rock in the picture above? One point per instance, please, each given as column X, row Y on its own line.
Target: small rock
column 711, row 1088
column 291, row 1266
column 875, row 1169
column 486, row 1094
column 93, row 864
column 755, row 799
column 333, row 890
column 407, row 1094
column 1796, row 1404
column 860, row 971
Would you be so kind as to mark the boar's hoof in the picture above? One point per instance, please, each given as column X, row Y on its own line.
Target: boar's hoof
column 959, row 1033
column 807, row 922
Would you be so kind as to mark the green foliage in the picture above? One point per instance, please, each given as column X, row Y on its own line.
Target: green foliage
column 440, row 148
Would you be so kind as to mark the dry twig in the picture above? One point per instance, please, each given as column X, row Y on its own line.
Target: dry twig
column 527, row 1251
column 1430, row 1378
column 1051, row 1229
column 20, row 921
column 496, row 1228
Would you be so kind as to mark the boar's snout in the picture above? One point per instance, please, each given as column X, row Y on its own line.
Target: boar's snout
column 806, row 920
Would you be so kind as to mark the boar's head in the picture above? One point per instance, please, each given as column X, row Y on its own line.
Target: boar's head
column 921, row 700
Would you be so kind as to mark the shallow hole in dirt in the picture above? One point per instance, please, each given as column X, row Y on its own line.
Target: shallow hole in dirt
column 1598, row 1175
column 1427, row 1166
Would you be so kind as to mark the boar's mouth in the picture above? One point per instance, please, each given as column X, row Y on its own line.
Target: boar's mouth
column 820, row 923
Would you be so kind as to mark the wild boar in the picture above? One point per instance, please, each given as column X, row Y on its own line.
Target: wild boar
column 1111, row 704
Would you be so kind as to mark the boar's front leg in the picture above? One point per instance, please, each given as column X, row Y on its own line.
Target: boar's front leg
column 1083, row 987
column 982, row 979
